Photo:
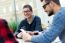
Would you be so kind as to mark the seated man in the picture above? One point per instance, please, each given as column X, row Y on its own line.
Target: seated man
column 31, row 22
column 56, row 29
column 6, row 36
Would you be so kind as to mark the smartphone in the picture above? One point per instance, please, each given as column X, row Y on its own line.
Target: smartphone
column 22, row 30
column 36, row 33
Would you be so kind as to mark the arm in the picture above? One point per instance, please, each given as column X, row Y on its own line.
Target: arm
column 54, row 30
column 21, row 25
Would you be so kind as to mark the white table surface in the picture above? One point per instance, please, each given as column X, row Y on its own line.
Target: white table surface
column 22, row 41
column 57, row 40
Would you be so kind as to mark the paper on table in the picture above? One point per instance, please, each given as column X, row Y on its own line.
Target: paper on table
column 22, row 30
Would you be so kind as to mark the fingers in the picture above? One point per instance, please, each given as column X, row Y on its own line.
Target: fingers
column 19, row 35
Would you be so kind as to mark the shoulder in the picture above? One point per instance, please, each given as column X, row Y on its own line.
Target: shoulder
column 59, row 17
column 60, row 13
column 36, row 17
column 24, row 20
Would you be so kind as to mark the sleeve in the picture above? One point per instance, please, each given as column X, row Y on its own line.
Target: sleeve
column 19, row 27
column 54, row 30
column 38, row 24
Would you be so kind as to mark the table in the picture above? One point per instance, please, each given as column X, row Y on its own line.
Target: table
column 55, row 41
column 22, row 41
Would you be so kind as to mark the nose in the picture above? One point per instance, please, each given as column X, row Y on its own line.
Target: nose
column 45, row 10
column 25, row 13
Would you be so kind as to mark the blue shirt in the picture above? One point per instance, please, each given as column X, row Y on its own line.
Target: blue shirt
column 56, row 29
column 34, row 26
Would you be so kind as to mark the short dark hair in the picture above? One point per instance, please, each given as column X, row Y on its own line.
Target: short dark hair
column 41, row 0
column 4, row 23
column 47, row 1
column 55, row 1
column 27, row 6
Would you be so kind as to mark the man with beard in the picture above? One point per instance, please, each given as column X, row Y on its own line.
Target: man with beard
column 56, row 29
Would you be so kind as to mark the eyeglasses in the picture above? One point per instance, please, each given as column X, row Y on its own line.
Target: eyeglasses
column 27, row 11
column 44, row 6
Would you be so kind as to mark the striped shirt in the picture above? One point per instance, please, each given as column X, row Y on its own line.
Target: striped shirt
column 56, row 29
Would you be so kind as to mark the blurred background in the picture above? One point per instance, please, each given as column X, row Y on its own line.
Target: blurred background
column 11, row 10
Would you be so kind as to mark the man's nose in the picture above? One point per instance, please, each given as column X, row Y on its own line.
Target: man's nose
column 25, row 13
column 45, row 10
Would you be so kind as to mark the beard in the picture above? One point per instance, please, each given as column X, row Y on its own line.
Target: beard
column 50, row 13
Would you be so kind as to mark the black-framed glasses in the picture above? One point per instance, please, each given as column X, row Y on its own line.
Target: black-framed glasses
column 44, row 6
column 27, row 11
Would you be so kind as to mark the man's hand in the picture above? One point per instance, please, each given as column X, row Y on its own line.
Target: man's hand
column 19, row 35
column 26, row 36
column 31, row 33
column 34, row 33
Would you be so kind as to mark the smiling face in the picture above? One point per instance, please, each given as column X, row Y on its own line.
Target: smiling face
column 27, row 12
column 48, row 7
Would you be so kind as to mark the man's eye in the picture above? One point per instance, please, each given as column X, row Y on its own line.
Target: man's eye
column 41, row 0
column 44, row 6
